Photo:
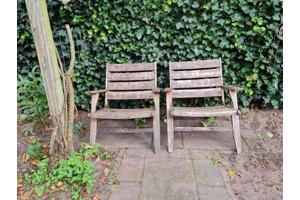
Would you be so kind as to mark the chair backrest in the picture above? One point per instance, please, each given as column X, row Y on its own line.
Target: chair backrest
column 130, row 81
column 197, row 79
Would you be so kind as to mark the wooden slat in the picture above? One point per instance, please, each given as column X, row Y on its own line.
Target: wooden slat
column 192, row 129
column 192, row 74
column 202, row 111
column 197, row 83
column 136, row 85
column 129, row 95
column 131, row 76
column 133, row 67
column 122, row 113
column 197, row 93
column 126, row 130
column 195, row 64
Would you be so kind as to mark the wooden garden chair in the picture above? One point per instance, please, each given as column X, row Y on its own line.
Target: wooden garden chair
column 128, row 82
column 200, row 79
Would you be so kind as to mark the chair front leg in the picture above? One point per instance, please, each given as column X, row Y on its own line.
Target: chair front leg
column 93, row 126
column 236, row 122
column 170, row 122
column 156, row 123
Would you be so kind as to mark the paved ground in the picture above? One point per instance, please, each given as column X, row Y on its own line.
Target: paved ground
column 185, row 174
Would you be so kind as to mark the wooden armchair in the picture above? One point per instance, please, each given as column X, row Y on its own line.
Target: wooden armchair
column 128, row 82
column 200, row 79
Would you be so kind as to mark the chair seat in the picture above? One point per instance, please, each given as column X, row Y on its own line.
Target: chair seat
column 202, row 111
column 109, row 113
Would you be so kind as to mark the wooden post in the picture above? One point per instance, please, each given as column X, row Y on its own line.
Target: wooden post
column 50, row 70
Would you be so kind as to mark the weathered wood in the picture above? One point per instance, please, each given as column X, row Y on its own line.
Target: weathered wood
column 202, row 111
column 197, row 83
column 106, row 113
column 156, row 124
column 199, row 79
column 93, row 125
column 197, row 93
column 126, row 130
column 94, row 92
column 134, row 76
column 194, row 129
column 133, row 67
column 136, row 85
column 129, row 95
column 200, row 64
column 231, row 87
column 236, row 132
column 130, row 81
column 193, row 74
column 170, row 122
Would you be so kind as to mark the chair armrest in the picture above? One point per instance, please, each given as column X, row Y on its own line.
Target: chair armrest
column 231, row 87
column 167, row 90
column 95, row 92
column 156, row 90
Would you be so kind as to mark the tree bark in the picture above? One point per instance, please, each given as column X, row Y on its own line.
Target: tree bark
column 51, row 74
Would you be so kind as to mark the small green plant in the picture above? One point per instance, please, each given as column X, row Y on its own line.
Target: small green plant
column 74, row 174
column 27, row 131
column 211, row 121
column 213, row 160
column 106, row 155
column 140, row 122
column 32, row 101
column 78, row 128
column 34, row 150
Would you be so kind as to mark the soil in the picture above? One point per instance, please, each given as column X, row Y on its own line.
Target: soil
column 257, row 172
column 254, row 174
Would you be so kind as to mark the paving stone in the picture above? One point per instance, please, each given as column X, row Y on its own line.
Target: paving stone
column 207, row 174
column 212, row 193
column 168, row 179
column 136, row 152
column 126, row 191
column 208, row 140
column 124, row 140
column 131, row 169
column 202, row 155
column 176, row 154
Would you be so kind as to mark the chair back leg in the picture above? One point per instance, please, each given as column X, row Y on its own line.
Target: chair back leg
column 93, row 131
column 236, row 132
column 156, row 125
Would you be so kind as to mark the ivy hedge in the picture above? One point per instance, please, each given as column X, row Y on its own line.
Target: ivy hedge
column 246, row 34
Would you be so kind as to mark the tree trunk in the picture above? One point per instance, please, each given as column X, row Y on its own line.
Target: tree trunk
column 51, row 73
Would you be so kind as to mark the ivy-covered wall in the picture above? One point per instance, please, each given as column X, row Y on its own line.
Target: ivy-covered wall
column 246, row 34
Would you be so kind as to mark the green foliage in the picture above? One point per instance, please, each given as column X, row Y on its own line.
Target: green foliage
column 34, row 150
column 31, row 96
column 75, row 173
column 139, row 122
column 27, row 131
column 243, row 33
column 213, row 160
column 78, row 128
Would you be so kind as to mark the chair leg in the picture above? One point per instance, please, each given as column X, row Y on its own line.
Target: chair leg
column 156, row 133
column 236, row 132
column 156, row 125
column 170, row 130
column 93, row 131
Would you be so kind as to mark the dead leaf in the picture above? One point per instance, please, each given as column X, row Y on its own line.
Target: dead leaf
column 270, row 135
column 106, row 171
column 35, row 162
column 45, row 156
column 232, row 171
column 24, row 157
column 59, row 184
column 97, row 197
